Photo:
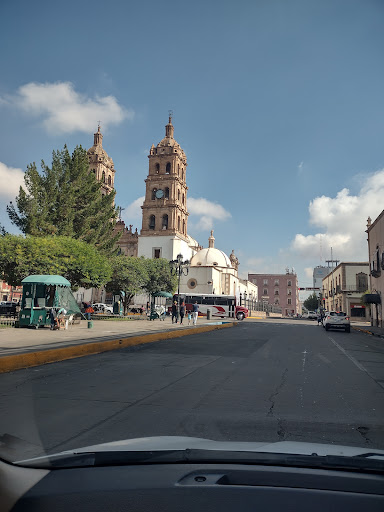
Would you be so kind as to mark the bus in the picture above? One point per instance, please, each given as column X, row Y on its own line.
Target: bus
column 221, row 306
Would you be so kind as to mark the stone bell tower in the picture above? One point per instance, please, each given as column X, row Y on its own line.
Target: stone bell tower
column 101, row 164
column 165, row 212
column 165, row 204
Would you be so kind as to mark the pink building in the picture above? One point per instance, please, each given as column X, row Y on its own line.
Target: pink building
column 280, row 290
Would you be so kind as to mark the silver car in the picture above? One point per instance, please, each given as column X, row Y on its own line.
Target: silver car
column 337, row 320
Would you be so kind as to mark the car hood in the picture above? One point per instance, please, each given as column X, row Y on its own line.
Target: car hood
column 168, row 443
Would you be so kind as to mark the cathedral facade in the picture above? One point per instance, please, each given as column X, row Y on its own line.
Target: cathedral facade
column 164, row 229
column 164, row 211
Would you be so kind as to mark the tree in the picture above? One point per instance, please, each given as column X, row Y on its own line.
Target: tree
column 75, row 260
column 159, row 276
column 129, row 275
column 311, row 303
column 66, row 200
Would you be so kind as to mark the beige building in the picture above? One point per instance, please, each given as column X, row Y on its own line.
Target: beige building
column 165, row 215
column 343, row 288
column 101, row 164
column 375, row 231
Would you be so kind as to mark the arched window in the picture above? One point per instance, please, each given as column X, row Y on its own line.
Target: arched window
column 157, row 168
column 178, row 169
column 168, row 168
column 154, row 193
column 166, row 193
column 152, row 222
column 178, row 223
column 103, row 177
column 183, row 226
column 182, row 174
column 178, row 195
column 164, row 223
column 109, row 181
column 183, row 199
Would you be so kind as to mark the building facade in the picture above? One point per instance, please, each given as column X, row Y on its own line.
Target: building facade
column 375, row 231
column 164, row 211
column 343, row 288
column 212, row 271
column 10, row 293
column 279, row 290
column 101, row 164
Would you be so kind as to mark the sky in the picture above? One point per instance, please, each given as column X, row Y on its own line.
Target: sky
column 278, row 105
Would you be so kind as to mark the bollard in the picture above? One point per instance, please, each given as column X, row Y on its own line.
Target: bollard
column 208, row 314
column 90, row 324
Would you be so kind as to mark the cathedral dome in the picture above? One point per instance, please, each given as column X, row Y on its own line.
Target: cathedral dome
column 211, row 257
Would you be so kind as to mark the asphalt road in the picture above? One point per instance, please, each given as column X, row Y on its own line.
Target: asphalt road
column 259, row 381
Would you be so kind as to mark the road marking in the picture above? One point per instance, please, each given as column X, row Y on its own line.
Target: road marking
column 351, row 358
column 304, row 359
column 323, row 358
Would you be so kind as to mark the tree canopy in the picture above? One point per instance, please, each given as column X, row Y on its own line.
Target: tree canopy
column 75, row 260
column 311, row 303
column 65, row 199
column 129, row 276
column 159, row 276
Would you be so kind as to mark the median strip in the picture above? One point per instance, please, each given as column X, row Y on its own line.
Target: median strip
column 29, row 359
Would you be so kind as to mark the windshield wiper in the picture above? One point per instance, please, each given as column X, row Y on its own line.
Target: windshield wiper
column 363, row 462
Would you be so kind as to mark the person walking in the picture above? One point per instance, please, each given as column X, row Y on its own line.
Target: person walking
column 89, row 311
column 195, row 312
column 174, row 312
column 182, row 312
column 189, row 317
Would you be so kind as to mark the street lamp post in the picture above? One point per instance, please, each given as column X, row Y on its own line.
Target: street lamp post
column 179, row 268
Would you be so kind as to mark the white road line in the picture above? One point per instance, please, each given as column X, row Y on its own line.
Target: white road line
column 323, row 358
column 351, row 358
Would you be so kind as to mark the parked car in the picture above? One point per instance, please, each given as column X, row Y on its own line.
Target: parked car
column 103, row 308
column 312, row 315
column 337, row 320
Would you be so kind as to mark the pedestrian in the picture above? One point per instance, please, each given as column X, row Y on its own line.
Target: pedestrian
column 195, row 312
column 148, row 309
column 174, row 312
column 53, row 317
column 182, row 312
column 89, row 310
column 189, row 317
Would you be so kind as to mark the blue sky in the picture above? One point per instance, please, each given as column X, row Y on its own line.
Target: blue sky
column 277, row 104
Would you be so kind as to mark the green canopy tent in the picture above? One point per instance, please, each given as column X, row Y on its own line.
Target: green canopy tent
column 40, row 294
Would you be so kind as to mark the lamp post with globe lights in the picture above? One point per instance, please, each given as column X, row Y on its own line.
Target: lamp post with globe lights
column 179, row 268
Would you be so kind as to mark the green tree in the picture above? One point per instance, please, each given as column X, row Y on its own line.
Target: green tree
column 129, row 276
column 311, row 303
column 159, row 276
column 75, row 260
column 65, row 199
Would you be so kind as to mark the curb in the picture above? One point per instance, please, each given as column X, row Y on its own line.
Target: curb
column 29, row 359
column 367, row 332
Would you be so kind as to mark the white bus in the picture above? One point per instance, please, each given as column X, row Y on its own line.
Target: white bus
column 221, row 306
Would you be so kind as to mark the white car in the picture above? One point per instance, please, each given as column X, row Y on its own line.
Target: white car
column 337, row 320
column 104, row 308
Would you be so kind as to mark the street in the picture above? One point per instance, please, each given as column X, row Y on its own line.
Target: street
column 267, row 380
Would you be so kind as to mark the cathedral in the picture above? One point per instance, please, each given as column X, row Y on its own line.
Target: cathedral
column 164, row 229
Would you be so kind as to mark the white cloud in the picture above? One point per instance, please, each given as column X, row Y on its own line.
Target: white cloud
column 207, row 212
column 65, row 110
column 11, row 179
column 342, row 220
column 133, row 211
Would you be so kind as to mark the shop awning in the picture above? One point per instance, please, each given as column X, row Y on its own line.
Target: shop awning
column 163, row 294
column 372, row 298
column 47, row 279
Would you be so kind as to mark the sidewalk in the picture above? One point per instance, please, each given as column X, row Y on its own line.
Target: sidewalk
column 25, row 347
column 369, row 329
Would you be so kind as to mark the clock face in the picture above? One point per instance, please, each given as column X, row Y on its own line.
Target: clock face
column 159, row 194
